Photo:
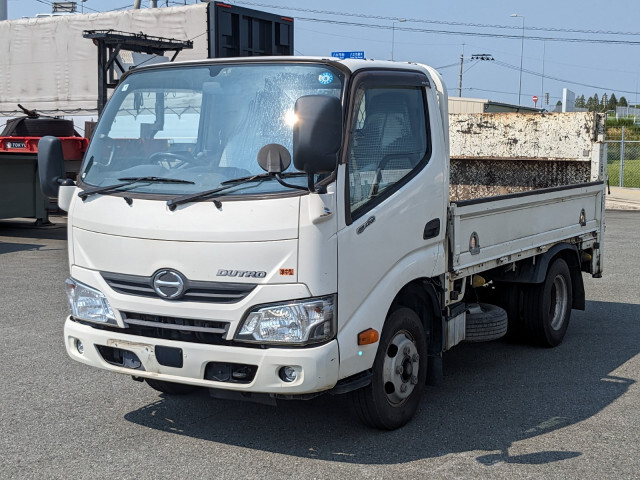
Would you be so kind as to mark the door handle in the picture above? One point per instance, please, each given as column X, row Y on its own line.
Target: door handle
column 431, row 229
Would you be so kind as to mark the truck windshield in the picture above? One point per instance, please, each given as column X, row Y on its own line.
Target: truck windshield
column 202, row 125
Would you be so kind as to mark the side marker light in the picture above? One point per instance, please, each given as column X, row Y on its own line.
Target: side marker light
column 368, row 337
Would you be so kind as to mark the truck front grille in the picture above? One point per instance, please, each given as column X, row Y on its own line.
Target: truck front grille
column 174, row 328
column 195, row 291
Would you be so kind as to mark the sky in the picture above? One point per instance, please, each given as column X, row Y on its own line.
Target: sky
column 584, row 45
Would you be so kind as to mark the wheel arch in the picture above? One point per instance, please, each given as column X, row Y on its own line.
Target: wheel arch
column 424, row 297
column 535, row 273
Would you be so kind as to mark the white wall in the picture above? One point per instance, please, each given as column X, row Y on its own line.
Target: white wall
column 50, row 67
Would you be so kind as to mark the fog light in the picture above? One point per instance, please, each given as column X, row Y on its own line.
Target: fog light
column 288, row 374
column 79, row 346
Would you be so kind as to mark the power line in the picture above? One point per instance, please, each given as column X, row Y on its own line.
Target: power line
column 126, row 7
column 557, row 79
column 473, row 34
column 50, row 4
column 503, row 92
column 437, row 22
column 433, row 22
column 448, row 66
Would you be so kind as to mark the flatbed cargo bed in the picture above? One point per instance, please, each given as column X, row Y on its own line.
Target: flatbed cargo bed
column 490, row 232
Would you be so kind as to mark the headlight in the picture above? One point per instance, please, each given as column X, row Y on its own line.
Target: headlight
column 297, row 322
column 88, row 304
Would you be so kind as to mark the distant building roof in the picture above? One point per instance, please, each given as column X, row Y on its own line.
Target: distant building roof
column 484, row 105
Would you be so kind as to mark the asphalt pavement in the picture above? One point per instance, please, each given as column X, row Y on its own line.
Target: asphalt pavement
column 504, row 410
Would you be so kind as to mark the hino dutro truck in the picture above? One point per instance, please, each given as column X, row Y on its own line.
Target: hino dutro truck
column 281, row 227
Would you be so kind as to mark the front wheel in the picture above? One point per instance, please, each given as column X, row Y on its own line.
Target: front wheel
column 547, row 307
column 399, row 374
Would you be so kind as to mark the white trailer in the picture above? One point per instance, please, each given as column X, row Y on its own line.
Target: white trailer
column 199, row 258
column 48, row 66
column 51, row 66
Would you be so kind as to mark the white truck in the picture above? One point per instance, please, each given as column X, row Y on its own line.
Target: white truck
column 199, row 258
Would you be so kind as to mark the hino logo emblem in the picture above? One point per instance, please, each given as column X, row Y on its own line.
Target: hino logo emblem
column 168, row 284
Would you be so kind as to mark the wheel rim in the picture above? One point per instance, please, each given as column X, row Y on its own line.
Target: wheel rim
column 559, row 302
column 400, row 369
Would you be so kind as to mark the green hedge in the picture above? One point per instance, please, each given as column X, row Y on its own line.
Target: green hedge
column 614, row 129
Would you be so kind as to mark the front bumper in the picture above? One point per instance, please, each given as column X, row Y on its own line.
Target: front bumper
column 318, row 366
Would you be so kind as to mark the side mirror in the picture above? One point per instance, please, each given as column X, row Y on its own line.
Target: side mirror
column 317, row 133
column 50, row 165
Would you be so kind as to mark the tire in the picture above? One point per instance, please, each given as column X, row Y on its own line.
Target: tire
column 509, row 297
column 171, row 388
column 547, row 306
column 485, row 323
column 399, row 374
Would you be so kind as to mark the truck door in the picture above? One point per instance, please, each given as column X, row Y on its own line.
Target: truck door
column 392, row 225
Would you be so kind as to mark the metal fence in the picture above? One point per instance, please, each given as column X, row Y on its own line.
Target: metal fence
column 623, row 163
column 626, row 112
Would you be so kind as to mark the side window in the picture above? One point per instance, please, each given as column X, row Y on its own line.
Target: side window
column 388, row 141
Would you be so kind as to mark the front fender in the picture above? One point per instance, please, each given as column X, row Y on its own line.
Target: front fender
column 373, row 309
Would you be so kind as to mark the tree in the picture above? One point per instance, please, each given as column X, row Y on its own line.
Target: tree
column 612, row 104
column 623, row 102
column 596, row 103
column 580, row 102
column 591, row 104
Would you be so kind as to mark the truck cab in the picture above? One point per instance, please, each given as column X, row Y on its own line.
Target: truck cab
column 266, row 226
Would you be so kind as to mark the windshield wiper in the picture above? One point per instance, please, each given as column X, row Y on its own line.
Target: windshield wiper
column 260, row 176
column 129, row 181
column 228, row 184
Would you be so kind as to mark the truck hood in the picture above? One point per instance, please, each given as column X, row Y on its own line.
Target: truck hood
column 252, row 241
column 236, row 221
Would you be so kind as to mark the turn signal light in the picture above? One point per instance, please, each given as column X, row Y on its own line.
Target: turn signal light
column 368, row 337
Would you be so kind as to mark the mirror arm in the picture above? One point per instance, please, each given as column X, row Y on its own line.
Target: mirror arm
column 66, row 182
column 285, row 184
column 311, row 183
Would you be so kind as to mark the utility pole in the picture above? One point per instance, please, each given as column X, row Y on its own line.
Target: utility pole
column 393, row 33
column 544, row 50
column 521, row 54
column 460, row 78
column 136, row 4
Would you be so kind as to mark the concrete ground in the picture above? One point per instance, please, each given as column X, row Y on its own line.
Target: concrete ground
column 623, row 199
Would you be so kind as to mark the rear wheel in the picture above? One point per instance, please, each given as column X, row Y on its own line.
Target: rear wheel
column 510, row 298
column 399, row 374
column 547, row 306
column 170, row 387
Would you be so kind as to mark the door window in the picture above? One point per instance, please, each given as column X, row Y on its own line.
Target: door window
column 388, row 142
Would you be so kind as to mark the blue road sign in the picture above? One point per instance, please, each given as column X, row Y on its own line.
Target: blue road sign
column 343, row 55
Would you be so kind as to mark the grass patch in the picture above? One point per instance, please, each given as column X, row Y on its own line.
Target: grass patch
column 630, row 134
column 631, row 173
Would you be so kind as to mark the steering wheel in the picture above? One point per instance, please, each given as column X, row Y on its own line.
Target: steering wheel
column 171, row 160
